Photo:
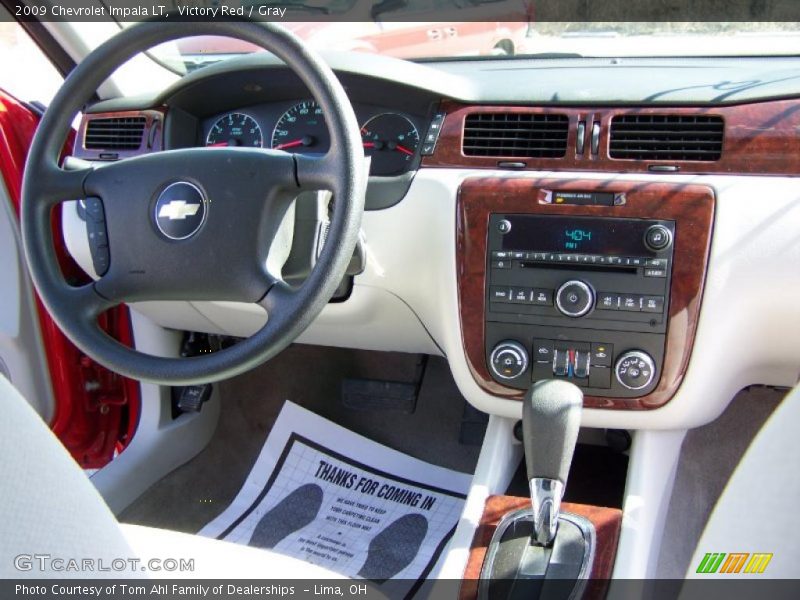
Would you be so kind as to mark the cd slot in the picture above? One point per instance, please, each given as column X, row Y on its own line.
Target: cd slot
column 524, row 264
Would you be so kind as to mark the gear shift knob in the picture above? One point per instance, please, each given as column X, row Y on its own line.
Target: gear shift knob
column 551, row 417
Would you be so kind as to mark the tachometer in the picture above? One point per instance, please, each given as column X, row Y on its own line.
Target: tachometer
column 235, row 129
column 302, row 128
column 391, row 140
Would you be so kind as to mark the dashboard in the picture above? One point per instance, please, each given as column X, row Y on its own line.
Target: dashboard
column 465, row 206
column 391, row 139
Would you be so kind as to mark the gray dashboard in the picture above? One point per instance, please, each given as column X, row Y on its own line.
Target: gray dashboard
column 692, row 81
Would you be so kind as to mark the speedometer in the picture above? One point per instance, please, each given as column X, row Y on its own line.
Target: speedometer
column 302, row 128
column 235, row 129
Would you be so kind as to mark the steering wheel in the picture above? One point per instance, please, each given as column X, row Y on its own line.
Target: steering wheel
column 193, row 224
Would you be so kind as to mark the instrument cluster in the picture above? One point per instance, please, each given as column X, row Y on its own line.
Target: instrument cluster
column 391, row 139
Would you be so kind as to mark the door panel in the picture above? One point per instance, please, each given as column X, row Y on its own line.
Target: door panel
column 92, row 410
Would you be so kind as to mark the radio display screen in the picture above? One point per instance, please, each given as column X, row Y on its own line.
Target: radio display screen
column 584, row 235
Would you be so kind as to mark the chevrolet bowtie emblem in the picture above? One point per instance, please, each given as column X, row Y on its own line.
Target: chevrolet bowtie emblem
column 178, row 210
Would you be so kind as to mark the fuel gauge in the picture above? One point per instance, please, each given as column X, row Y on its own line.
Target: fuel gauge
column 391, row 141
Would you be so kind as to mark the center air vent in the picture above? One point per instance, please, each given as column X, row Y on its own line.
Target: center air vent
column 518, row 135
column 116, row 133
column 666, row 137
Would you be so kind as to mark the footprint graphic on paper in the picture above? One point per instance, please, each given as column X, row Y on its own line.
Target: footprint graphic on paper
column 393, row 549
column 295, row 511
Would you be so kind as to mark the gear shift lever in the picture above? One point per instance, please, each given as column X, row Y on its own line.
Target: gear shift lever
column 551, row 417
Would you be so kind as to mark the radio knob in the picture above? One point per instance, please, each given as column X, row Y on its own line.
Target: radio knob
column 635, row 370
column 657, row 237
column 575, row 298
column 509, row 359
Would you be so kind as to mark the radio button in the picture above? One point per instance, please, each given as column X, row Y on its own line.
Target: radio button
column 542, row 297
column 601, row 354
column 630, row 302
column 608, row 301
column 500, row 254
column 655, row 272
column 500, row 294
column 657, row 237
column 501, row 264
column 519, row 295
column 575, row 298
column 518, row 255
column 660, row 263
column 653, row 304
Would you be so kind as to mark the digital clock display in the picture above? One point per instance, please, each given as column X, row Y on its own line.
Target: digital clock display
column 584, row 235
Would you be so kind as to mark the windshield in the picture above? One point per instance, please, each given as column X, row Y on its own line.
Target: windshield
column 509, row 39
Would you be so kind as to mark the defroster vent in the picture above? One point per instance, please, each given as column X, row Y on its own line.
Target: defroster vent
column 666, row 137
column 518, row 135
column 114, row 133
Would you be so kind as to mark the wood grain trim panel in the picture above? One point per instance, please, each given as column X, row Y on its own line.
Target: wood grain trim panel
column 606, row 521
column 759, row 138
column 690, row 206
column 152, row 139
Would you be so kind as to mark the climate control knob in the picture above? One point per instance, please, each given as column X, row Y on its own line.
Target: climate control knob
column 635, row 370
column 575, row 298
column 509, row 359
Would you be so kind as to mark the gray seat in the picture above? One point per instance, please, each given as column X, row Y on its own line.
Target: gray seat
column 757, row 512
column 49, row 507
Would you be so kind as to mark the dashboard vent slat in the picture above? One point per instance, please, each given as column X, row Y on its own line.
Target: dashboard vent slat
column 114, row 133
column 666, row 137
column 516, row 135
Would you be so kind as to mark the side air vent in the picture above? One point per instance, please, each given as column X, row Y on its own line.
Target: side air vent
column 666, row 137
column 115, row 133
column 518, row 135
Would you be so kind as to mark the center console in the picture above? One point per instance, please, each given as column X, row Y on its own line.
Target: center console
column 580, row 298
column 593, row 282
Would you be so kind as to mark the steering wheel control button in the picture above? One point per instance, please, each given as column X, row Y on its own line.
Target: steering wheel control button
column 575, row 298
column 97, row 234
column 657, row 237
column 508, row 360
column 635, row 370
column 180, row 211
column 504, row 226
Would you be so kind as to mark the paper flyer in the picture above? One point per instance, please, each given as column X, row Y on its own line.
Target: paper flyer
column 328, row 496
